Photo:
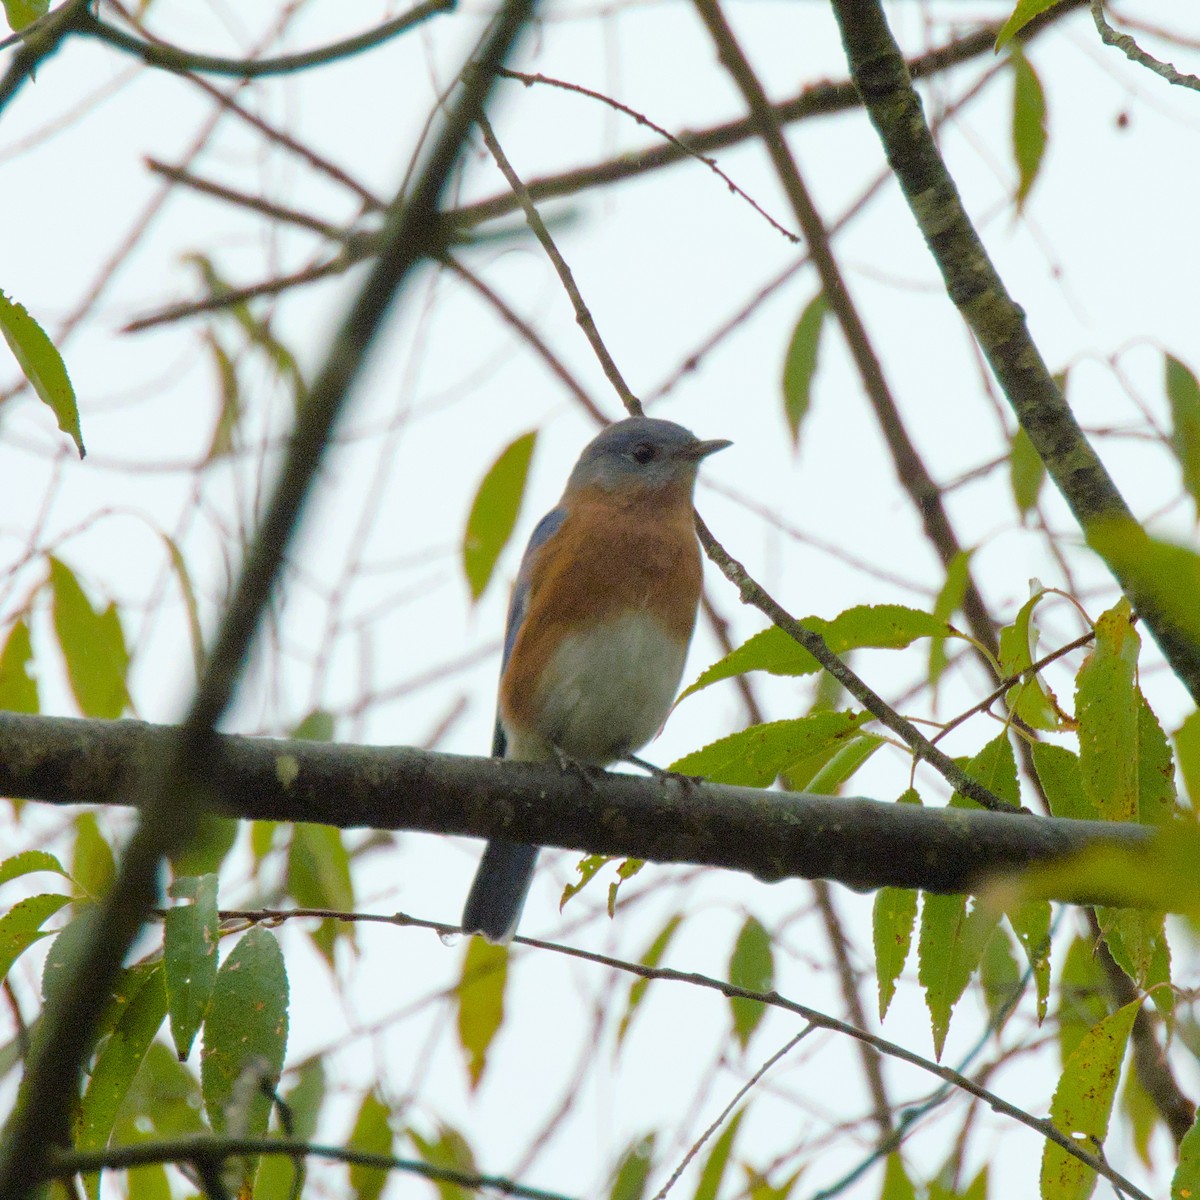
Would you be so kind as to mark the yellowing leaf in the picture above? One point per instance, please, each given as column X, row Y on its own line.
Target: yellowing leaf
column 93, row 645
column 494, row 512
column 481, row 1002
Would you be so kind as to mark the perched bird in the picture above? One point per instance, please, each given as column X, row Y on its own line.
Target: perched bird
column 598, row 627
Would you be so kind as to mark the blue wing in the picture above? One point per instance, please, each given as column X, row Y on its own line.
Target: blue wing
column 543, row 532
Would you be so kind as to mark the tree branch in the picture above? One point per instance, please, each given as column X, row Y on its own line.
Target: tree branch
column 772, row 835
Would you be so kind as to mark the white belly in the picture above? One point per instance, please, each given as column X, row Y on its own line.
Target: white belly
column 606, row 693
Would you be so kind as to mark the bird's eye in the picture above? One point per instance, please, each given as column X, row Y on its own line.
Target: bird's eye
column 643, row 453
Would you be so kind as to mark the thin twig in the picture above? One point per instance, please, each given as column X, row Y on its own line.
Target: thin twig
column 1132, row 51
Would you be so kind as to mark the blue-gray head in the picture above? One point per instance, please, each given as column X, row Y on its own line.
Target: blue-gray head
column 642, row 452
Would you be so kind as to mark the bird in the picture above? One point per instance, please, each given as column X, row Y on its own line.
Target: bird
column 601, row 616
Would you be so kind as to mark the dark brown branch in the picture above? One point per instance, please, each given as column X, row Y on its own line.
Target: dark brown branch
column 772, row 835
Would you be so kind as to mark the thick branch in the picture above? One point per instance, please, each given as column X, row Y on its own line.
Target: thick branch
column 772, row 835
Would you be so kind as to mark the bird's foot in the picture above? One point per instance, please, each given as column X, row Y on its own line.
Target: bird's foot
column 587, row 772
column 663, row 775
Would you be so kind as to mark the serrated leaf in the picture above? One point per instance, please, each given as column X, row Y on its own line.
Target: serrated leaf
column 1024, row 12
column 995, row 767
column 494, row 512
column 1059, row 773
column 319, row 877
column 29, row 861
column 800, row 363
column 18, row 687
column 1030, row 698
column 93, row 645
column 1185, row 1183
column 1082, row 1104
column 755, row 757
column 372, row 1135
column 1187, row 752
column 36, row 354
column 190, row 934
column 1000, row 977
column 116, row 1067
column 1183, row 393
column 1106, row 708
column 21, row 926
column 751, row 966
column 713, row 1171
column 1156, row 768
column 949, row 599
column 1030, row 921
column 633, row 1170
column 1028, row 122
column 245, row 1038
column 1083, row 996
column 878, row 626
column 892, row 918
column 480, row 1002
column 651, row 957
column 586, row 869
column 1026, row 473
column 93, row 866
column 952, row 940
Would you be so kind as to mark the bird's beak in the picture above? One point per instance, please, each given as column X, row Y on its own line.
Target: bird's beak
column 699, row 450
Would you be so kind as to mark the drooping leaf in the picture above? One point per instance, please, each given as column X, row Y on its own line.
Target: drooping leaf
column 93, row 645
column 1136, row 939
column 751, row 966
column 1031, row 699
column 93, row 866
column 896, row 1183
column 994, row 766
column 494, row 512
column 230, row 413
column 114, row 1070
column 1026, row 473
column 892, row 919
column 36, row 354
column 948, row 601
column 277, row 1176
column 190, row 605
column 713, row 1171
column 319, row 877
column 211, row 841
column 1082, row 996
column 651, row 957
column 1183, row 393
column 755, row 757
column 1028, row 122
column 1107, row 711
column 1083, row 1102
column 1187, row 751
column 1185, row 1183
column 480, row 1002
column 1156, row 768
column 449, row 1149
column 372, row 1134
column 1000, row 975
column 586, row 869
column 18, row 687
column 245, row 1038
column 800, row 363
column 1022, row 14
column 633, row 1170
column 190, row 933
column 879, row 626
column 828, row 779
column 1030, row 921
column 1062, row 780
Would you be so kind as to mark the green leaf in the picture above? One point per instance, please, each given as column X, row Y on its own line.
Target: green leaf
column 952, row 941
column 319, row 877
column 118, row 1063
column 1028, row 122
column 755, row 757
column 190, row 605
column 751, row 966
column 1024, row 12
column 480, row 1002
column 1137, row 941
column 1083, row 994
column 845, row 762
column 896, row 1183
column 245, row 1037
column 634, row 1169
column 1059, row 773
column 1187, row 751
column 93, row 867
column 1183, row 393
column 800, row 363
column 36, row 355
column 29, row 861
column 24, row 12
column 449, row 1149
column 210, row 843
column 995, row 766
column 1082, row 1104
column 318, row 726
column 1142, row 1115
column 1000, row 976
column 586, row 869
column 21, row 926
column 949, row 600
column 1185, row 1184
column 190, row 933
column 230, row 413
column 879, row 626
column 93, row 645
column 1156, row 768
column 494, row 512
column 277, row 1176
column 1030, row 921
column 1026, row 473
column 372, row 1135
column 718, row 1159
column 18, row 687
column 1106, row 706
column 651, row 957
column 892, row 919
column 1030, row 698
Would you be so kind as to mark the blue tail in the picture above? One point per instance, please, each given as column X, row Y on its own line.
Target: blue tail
column 498, row 894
